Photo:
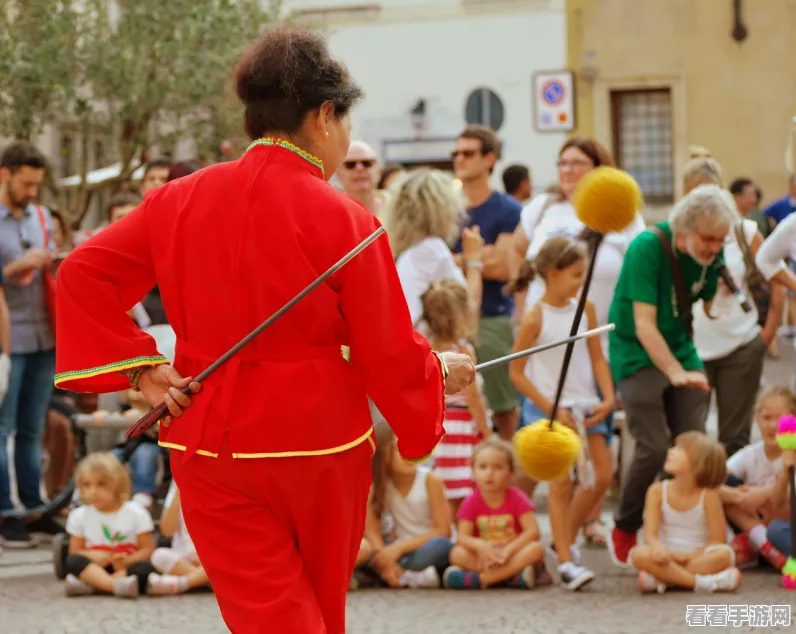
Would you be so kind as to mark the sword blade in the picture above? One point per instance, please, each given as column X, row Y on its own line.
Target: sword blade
column 547, row 346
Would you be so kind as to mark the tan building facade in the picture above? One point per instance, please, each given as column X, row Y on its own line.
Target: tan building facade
column 655, row 76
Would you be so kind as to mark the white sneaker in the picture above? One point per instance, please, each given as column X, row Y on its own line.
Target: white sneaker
column 427, row 578
column 648, row 584
column 74, row 587
column 725, row 581
column 126, row 587
column 161, row 585
column 574, row 577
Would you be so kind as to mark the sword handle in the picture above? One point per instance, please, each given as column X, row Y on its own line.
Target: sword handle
column 149, row 420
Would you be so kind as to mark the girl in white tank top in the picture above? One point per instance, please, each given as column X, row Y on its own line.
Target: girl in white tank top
column 685, row 531
column 561, row 263
column 417, row 549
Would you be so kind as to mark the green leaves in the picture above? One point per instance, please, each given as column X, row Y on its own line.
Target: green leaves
column 159, row 69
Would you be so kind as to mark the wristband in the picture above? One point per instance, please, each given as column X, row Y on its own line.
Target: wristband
column 134, row 376
column 475, row 264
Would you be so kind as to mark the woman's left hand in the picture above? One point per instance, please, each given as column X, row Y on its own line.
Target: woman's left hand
column 163, row 384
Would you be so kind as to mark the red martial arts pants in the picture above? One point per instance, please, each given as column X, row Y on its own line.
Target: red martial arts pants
column 278, row 537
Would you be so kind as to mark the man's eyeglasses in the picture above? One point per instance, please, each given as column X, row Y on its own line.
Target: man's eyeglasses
column 463, row 153
column 366, row 163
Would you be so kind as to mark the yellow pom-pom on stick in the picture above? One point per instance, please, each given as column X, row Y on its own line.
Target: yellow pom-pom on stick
column 546, row 451
column 607, row 199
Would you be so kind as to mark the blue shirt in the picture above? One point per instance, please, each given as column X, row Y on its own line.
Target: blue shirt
column 780, row 209
column 30, row 322
column 500, row 213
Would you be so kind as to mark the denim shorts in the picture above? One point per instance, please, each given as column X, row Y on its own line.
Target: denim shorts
column 531, row 414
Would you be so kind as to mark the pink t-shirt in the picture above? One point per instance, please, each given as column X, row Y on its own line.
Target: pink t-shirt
column 501, row 524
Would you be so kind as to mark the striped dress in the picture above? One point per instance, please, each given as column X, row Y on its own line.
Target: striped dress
column 453, row 457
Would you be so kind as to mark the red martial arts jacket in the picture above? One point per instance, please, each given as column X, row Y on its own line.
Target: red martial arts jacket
column 228, row 246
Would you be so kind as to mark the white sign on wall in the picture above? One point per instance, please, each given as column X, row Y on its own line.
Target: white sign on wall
column 554, row 101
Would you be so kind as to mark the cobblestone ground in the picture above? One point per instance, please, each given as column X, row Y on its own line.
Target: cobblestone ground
column 32, row 600
column 35, row 605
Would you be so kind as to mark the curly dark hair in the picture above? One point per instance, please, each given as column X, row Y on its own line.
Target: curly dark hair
column 286, row 73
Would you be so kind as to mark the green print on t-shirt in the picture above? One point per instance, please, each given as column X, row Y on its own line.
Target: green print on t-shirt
column 113, row 538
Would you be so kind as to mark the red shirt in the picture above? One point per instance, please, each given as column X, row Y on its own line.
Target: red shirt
column 228, row 246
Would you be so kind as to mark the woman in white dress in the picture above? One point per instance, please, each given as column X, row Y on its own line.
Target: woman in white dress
column 423, row 219
column 732, row 343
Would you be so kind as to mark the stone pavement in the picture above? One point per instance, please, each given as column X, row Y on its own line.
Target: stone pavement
column 32, row 600
column 35, row 604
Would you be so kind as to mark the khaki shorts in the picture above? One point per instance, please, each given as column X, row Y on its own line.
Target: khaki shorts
column 495, row 339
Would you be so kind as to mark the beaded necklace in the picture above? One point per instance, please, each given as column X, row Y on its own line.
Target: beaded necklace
column 272, row 141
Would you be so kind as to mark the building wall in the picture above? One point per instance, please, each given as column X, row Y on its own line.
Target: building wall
column 736, row 99
column 404, row 50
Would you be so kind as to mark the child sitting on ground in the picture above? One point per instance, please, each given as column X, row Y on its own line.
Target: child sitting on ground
column 685, row 531
column 110, row 538
column 415, row 499
column 755, row 469
column 498, row 537
column 179, row 567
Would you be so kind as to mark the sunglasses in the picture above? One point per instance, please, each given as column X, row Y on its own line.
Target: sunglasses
column 366, row 163
column 463, row 153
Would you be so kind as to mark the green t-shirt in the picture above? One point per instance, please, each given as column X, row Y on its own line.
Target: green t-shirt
column 646, row 277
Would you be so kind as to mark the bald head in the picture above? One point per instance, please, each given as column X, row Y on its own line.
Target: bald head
column 360, row 150
column 360, row 172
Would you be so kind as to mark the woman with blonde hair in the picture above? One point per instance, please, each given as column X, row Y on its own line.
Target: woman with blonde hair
column 422, row 218
column 732, row 343
column 701, row 169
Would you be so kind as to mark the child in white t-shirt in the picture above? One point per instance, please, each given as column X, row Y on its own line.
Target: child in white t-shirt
column 753, row 473
column 179, row 566
column 110, row 538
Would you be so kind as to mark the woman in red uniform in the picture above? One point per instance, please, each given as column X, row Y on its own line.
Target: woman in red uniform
column 272, row 458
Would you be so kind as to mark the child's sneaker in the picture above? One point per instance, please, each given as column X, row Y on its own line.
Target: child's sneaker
column 427, row 578
column 574, row 577
column 620, row 544
column 457, row 579
column 74, row 587
column 526, row 580
column 773, row 556
column 160, row 585
column 126, row 587
column 725, row 581
column 745, row 555
column 648, row 584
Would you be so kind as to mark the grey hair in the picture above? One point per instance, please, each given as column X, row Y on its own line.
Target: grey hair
column 705, row 200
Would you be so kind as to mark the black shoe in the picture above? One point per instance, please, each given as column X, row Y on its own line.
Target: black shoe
column 14, row 535
column 45, row 524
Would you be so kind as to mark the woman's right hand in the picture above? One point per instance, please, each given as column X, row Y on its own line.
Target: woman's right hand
column 461, row 371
